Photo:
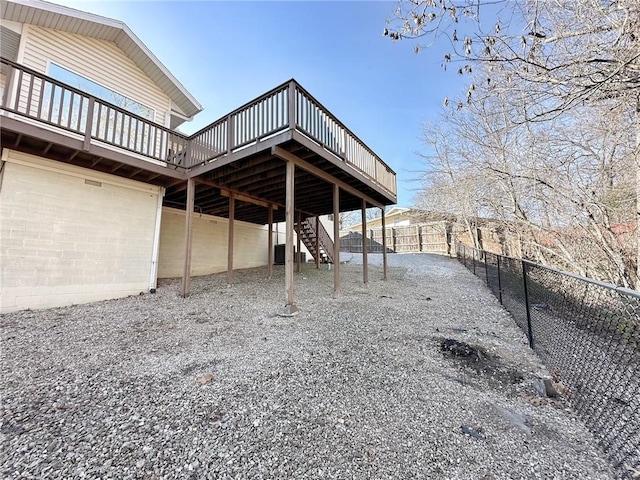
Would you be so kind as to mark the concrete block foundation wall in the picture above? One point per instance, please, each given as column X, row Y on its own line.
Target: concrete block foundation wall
column 70, row 235
column 209, row 244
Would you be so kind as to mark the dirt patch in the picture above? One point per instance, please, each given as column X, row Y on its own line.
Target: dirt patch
column 480, row 361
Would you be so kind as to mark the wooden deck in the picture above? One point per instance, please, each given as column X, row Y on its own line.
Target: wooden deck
column 243, row 154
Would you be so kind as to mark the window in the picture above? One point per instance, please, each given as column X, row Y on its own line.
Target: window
column 97, row 90
column 69, row 110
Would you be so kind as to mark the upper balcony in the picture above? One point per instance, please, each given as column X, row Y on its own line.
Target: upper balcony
column 43, row 116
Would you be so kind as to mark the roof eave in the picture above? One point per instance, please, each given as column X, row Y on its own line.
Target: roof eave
column 122, row 36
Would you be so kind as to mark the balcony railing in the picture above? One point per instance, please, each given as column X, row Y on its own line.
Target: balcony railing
column 31, row 94
column 34, row 95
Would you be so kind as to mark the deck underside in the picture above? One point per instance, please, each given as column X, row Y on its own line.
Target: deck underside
column 255, row 175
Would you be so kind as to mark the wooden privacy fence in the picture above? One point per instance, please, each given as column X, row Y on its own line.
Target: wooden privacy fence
column 427, row 237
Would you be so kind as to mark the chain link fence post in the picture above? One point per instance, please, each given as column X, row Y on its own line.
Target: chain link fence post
column 499, row 280
column 526, row 303
column 486, row 268
column 473, row 251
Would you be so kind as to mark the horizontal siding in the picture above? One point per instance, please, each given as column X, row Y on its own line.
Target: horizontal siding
column 69, row 238
column 209, row 244
column 98, row 60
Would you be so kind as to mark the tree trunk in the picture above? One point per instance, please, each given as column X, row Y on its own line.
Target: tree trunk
column 637, row 155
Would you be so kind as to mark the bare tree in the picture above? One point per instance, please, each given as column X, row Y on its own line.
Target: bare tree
column 553, row 106
column 562, row 190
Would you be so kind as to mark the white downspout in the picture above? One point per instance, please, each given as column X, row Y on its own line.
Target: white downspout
column 153, row 274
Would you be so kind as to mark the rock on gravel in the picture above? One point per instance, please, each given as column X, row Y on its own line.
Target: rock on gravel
column 354, row 386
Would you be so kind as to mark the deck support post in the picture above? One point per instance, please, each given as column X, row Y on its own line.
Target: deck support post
column 365, row 266
column 317, row 242
column 270, row 241
column 384, row 245
column 298, row 242
column 336, row 238
column 186, row 271
column 290, row 307
column 232, row 214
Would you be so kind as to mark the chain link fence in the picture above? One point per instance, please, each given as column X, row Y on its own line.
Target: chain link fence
column 587, row 333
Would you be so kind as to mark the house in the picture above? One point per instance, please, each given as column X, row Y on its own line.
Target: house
column 101, row 195
column 396, row 216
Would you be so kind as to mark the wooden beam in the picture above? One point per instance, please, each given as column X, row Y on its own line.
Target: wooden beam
column 263, row 161
column 247, row 197
column 365, row 266
column 135, row 172
column 302, row 139
column 264, row 145
column 336, row 238
column 288, row 253
column 239, row 181
column 285, row 155
column 232, row 214
column 270, row 247
column 317, row 242
column 384, row 246
column 186, row 271
column 298, row 243
column 171, row 184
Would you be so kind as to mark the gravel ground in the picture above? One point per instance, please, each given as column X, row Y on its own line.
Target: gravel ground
column 219, row 386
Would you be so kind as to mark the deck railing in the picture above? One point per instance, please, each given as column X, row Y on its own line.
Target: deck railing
column 321, row 126
column 34, row 95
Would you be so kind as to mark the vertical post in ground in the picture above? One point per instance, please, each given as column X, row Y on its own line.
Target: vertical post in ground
column 232, row 214
column 365, row 267
column 486, row 268
column 298, row 243
column 336, row 238
column 270, row 241
column 526, row 302
column 473, row 252
column 186, row 270
column 499, row 281
column 384, row 246
column 317, row 242
column 288, row 253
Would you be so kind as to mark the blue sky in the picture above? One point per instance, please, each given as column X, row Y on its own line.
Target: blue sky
column 227, row 53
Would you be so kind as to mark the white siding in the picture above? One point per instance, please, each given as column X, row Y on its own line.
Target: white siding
column 3, row 82
column 209, row 244
column 98, row 60
column 71, row 235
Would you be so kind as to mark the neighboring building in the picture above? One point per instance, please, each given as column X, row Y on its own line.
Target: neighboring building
column 395, row 217
column 95, row 180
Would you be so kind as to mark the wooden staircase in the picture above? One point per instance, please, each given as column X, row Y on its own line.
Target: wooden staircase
column 308, row 235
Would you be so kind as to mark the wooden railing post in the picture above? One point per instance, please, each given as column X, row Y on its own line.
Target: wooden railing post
column 89, row 126
column 230, row 133
column 291, row 111
column 8, row 85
